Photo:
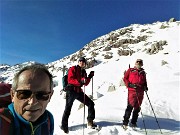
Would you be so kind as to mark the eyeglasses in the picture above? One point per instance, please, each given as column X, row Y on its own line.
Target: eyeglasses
column 25, row 94
column 139, row 62
column 81, row 61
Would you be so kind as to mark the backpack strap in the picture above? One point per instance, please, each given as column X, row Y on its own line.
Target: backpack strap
column 49, row 123
column 6, row 122
column 46, row 130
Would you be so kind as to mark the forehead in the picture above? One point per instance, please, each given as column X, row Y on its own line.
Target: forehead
column 38, row 74
column 31, row 79
column 139, row 60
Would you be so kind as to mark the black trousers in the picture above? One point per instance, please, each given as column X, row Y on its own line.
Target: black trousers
column 128, row 114
column 71, row 95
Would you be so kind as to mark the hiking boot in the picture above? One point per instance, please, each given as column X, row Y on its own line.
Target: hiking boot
column 65, row 129
column 125, row 127
column 133, row 125
column 91, row 125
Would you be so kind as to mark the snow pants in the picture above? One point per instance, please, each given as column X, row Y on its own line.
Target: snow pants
column 135, row 99
column 134, row 103
column 71, row 95
column 128, row 114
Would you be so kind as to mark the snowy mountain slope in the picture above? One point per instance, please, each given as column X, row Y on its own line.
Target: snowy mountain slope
column 158, row 45
column 148, row 39
column 110, row 107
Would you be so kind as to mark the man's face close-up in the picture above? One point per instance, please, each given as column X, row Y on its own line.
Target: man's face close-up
column 32, row 95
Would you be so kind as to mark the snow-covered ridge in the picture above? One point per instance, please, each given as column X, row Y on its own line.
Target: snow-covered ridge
column 148, row 39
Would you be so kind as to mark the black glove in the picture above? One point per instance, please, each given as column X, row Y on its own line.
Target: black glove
column 145, row 88
column 132, row 85
column 82, row 82
column 91, row 74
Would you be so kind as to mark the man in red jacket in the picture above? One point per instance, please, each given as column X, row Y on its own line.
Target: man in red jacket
column 77, row 77
column 135, row 81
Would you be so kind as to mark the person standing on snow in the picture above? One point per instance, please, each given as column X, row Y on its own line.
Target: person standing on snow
column 135, row 81
column 77, row 77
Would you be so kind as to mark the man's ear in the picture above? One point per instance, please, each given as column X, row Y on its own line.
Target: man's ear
column 12, row 95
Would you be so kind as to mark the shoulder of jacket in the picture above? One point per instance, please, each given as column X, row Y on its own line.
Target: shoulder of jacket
column 50, row 121
column 142, row 70
column 72, row 68
column 132, row 69
column 50, row 115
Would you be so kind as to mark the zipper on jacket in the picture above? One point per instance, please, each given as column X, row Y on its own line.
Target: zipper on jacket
column 32, row 129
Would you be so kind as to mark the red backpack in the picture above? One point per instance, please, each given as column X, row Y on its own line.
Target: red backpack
column 6, row 122
column 5, row 114
column 5, row 97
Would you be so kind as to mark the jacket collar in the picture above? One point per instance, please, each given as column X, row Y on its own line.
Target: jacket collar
column 18, row 118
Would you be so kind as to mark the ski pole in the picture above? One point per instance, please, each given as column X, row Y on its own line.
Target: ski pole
column 92, row 88
column 84, row 112
column 153, row 112
column 141, row 111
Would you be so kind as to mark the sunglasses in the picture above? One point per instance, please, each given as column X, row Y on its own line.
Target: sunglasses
column 139, row 62
column 81, row 61
column 25, row 94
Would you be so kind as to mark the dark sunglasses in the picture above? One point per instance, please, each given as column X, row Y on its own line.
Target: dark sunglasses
column 138, row 61
column 82, row 61
column 25, row 94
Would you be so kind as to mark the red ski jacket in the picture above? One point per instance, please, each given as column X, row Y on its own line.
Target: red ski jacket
column 75, row 76
column 138, row 77
column 135, row 76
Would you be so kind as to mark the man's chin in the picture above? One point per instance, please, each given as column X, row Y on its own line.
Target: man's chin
column 32, row 116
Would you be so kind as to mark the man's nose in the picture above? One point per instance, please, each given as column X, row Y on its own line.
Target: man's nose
column 32, row 99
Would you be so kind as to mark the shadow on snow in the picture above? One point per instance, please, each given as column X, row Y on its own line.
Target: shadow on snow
column 164, row 123
column 150, row 123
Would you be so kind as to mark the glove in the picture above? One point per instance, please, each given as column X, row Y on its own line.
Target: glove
column 145, row 88
column 83, row 81
column 91, row 74
column 132, row 85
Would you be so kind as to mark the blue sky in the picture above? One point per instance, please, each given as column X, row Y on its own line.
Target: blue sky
column 48, row 30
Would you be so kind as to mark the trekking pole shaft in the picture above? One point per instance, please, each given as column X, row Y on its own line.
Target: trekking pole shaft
column 153, row 112
column 92, row 88
column 141, row 111
column 84, row 112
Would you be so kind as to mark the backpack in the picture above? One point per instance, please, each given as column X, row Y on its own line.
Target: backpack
column 5, row 96
column 123, row 83
column 65, row 79
column 5, row 114
column 6, row 122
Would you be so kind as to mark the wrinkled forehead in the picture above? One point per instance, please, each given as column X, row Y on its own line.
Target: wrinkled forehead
column 33, row 79
column 29, row 74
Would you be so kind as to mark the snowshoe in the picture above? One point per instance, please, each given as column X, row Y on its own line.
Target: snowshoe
column 125, row 127
column 65, row 129
column 133, row 125
column 91, row 125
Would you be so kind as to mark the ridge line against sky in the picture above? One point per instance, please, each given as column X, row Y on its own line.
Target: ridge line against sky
column 48, row 30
